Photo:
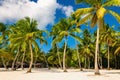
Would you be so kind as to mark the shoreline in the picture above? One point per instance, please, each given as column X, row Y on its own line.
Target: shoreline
column 58, row 74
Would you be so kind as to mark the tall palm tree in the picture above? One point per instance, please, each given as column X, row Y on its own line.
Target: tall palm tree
column 26, row 31
column 96, row 11
column 65, row 29
column 87, row 46
column 54, row 34
column 108, row 37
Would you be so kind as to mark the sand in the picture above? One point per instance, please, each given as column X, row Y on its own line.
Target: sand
column 57, row 74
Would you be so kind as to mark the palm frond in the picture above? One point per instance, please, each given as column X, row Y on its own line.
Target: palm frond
column 62, row 33
column 117, row 50
column 75, row 30
column 112, row 3
column 89, row 2
column 94, row 20
column 82, row 11
column 84, row 19
column 76, row 38
column 35, row 45
column 42, row 40
column 56, row 40
column 116, row 15
column 24, row 46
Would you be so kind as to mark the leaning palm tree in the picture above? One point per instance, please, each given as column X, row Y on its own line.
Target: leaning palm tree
column 65, row 28
column 96, row 11
column 54, row 33
column 26, row 32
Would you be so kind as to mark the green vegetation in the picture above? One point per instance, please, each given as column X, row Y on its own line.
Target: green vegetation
column 20, row 42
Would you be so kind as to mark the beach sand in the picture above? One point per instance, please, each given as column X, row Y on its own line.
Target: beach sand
column 58, row 74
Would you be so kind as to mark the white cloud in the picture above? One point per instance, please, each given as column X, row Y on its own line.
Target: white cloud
column 43, row 10
column 68, row 10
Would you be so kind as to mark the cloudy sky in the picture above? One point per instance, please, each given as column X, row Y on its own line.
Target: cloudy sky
column 44, row 11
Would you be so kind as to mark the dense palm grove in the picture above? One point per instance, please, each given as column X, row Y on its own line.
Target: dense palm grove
column 20, row 42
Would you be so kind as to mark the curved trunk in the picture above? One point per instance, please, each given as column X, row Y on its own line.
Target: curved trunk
column 108, row 66
column 96, row 51
column 31, row 55
column 14, row 61
column 78, row 56
column 23, row 60
column 59, row 58
column 5, row 66
column 64, row 55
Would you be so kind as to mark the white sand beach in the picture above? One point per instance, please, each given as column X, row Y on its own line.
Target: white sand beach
column 57, row 74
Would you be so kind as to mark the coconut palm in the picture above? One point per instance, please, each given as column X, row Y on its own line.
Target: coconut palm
column 3, row 43
column 87, row 46
column 27, row 33
column 96, row 11
column 108, row 37
column 65, row 29
column 3, row 35
column 54, row 34
column 117, row 43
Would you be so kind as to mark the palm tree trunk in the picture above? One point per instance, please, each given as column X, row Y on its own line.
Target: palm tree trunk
column 85, row 62
column 31, row 54
column 88, row 62
column 60, row 64
column 14, row 61
column 35, row 60
column 5, row 66
column 46, row 61
column 64, row 56
column 115, row 62
column 101, row 66
column 96, row 51
column 23, row 60
column 108, row 67
column 78, row 56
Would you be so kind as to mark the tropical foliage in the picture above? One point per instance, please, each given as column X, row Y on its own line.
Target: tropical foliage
column 20, row 43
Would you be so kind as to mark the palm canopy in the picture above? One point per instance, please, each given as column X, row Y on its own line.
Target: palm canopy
column 25, row 33
column 96, row 11
column 26, row 29
column 108, row 36
column 63, row 29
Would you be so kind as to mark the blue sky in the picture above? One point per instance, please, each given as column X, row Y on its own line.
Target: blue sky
column 46, row 12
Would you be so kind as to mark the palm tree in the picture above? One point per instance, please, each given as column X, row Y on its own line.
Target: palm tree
column 3, row 42
column 65, row 29
column 108, row 37
column 87, row 46
column 26, row 32
column 95, row 12
column 117, row 50
column 6, row 57
column 3, row 35
column 54, row 34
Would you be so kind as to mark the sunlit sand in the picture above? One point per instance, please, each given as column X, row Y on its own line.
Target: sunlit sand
column 57, row 74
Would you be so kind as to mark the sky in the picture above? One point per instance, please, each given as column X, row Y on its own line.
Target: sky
column 46, row 12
